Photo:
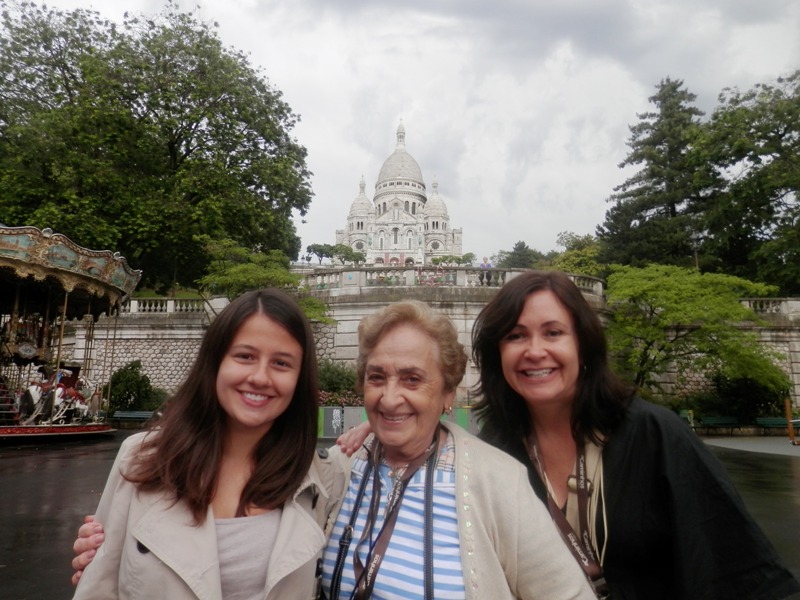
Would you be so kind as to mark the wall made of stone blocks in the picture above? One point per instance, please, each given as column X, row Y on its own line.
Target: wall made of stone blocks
column 167, row 344
column 783, row 339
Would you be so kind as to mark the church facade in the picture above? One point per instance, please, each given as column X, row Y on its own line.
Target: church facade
column 401, row 224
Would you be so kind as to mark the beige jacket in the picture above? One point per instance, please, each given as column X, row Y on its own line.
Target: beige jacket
column 152, row 550
column 510, row 547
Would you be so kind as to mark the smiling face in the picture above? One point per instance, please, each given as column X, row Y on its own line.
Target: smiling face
column 540, row 355
column 404, row 392
column 258, row 375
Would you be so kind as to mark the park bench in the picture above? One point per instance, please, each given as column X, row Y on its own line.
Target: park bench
column 709, row 423
column 774, row 423
column 133, row 416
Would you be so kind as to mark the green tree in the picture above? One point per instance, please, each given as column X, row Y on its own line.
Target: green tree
column 142, row 137
column 337, row 377
column 467, row 259
column 234, row 269
column 520, row 257
column 650, row 220
column 579, row 256
column 752, row 219
column 131, row 389
column 345, row 254
column 447, row 260
column 320, row 251
column 664, row 316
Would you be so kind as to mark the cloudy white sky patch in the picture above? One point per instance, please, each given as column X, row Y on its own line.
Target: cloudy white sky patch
column 519, row 108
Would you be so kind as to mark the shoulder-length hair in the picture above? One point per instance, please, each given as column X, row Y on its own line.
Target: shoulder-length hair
column 601, row 397
column 438, row 327
column 183, row 456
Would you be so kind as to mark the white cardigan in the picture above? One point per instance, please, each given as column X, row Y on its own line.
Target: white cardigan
column 510, row 547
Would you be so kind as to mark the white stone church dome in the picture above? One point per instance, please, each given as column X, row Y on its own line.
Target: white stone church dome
column 400, row 165
column 435, row 208
column 362, row 205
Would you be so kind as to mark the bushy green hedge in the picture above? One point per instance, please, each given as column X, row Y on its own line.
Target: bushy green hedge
column 131, row 390
column 337, row 383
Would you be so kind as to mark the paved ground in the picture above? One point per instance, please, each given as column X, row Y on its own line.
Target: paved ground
column 766, row 444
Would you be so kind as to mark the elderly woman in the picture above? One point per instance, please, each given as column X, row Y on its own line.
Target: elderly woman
column 431, row 511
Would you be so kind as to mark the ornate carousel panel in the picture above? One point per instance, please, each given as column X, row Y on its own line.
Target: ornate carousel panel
column 47, row 280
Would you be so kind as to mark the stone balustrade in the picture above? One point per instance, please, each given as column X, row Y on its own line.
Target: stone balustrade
column 774, row 308
column 165, row 333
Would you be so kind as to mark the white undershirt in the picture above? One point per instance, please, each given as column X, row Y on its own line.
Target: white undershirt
column 244, row 545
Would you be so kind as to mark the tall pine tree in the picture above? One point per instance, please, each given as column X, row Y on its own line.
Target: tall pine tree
column 650, row 221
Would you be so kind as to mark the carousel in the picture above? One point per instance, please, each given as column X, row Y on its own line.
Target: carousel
column 46, row 282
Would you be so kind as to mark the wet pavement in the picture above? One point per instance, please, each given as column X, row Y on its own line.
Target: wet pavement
column 46, row 489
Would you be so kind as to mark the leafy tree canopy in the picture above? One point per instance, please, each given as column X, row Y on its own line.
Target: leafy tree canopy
column 580, row 255
column 666, row 315
column 452, row 259
column 650, row 220
column 234, row 270
column 320, row 251
column 520, row 257
column 752, row 217
column 345, row 254
column 143, row 136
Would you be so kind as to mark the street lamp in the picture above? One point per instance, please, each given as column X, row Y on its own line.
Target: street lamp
column 695, row 239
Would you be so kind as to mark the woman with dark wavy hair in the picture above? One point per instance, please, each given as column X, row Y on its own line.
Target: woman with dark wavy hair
column 641, row 503
column 224, row 496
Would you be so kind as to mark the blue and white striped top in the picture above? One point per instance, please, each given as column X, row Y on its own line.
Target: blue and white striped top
column 401, row 572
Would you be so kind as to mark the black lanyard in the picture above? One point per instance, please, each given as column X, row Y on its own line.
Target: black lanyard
column 365, row 576
column 579, row 545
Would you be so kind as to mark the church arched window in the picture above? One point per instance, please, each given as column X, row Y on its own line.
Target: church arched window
column 406, row 206
column 413, row 208
column 395, row 232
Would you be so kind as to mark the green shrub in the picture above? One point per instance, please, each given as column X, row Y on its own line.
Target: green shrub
column 705, row 402
column 131, row 390
column 747, row 399
column 336, row 377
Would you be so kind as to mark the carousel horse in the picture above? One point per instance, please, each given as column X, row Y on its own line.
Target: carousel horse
column 44, row 401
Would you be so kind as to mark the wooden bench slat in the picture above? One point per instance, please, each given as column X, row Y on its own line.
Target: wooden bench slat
column 132, row 415
column 708, row 423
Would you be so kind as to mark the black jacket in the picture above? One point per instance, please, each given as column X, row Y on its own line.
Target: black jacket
column 677, row 528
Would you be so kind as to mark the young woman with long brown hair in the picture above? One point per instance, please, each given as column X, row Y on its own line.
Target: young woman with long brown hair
column 225, row 497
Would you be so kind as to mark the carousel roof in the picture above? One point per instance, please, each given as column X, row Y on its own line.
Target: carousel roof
column 41, row 271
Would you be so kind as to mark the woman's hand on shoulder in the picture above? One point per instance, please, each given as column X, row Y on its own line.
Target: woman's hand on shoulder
column 90, row 538
column 351, row 440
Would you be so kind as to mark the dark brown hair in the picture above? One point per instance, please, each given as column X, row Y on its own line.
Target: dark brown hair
column 183, row 457
column 601, row 397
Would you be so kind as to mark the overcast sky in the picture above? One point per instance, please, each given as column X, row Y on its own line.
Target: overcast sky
column 519, row 108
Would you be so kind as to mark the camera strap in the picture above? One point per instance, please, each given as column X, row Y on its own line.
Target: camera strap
column 579, row 544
